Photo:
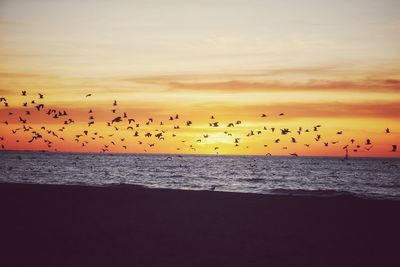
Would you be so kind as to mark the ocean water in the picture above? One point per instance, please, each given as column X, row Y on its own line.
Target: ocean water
column 366, row 177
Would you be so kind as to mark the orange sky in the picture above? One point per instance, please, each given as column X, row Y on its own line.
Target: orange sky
column 320, row 63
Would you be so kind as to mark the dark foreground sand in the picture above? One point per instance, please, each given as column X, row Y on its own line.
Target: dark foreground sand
column 47, row 225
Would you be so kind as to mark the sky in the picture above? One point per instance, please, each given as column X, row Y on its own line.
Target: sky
column 329, row 63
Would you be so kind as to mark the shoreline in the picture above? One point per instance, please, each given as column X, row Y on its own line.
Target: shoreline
column 271, row 192
column 199, row 155
column 62, row 225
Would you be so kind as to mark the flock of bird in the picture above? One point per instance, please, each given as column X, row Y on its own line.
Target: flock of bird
column 122, row 122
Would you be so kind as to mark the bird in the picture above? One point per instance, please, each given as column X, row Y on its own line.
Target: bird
column 394, row 148
column 41, row 96
column 387, row 130
column 294, row 154
column 39, row 107
column 88, row 95
column 23, row 93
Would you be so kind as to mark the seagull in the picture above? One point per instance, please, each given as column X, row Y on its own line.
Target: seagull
column 88, row 95
column 394, row 148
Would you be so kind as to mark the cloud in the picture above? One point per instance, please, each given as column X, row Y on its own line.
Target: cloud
column 313, row 78
column 383, row 110
column 312, row 85
column 18, row 75
column 5, row 91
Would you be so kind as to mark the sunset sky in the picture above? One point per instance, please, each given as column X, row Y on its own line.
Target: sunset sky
column 329, row 63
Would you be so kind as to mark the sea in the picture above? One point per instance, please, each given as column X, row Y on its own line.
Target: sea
column 324, row 176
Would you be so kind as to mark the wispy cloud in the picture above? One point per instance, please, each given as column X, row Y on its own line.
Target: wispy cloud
column 18, row 75
column 384, row 110
column 389, row 85
column 6, row 91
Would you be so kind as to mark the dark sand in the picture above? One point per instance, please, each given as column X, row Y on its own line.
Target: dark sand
column 47, row 225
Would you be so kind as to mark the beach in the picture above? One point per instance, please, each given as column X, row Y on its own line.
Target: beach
column 70, row 225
